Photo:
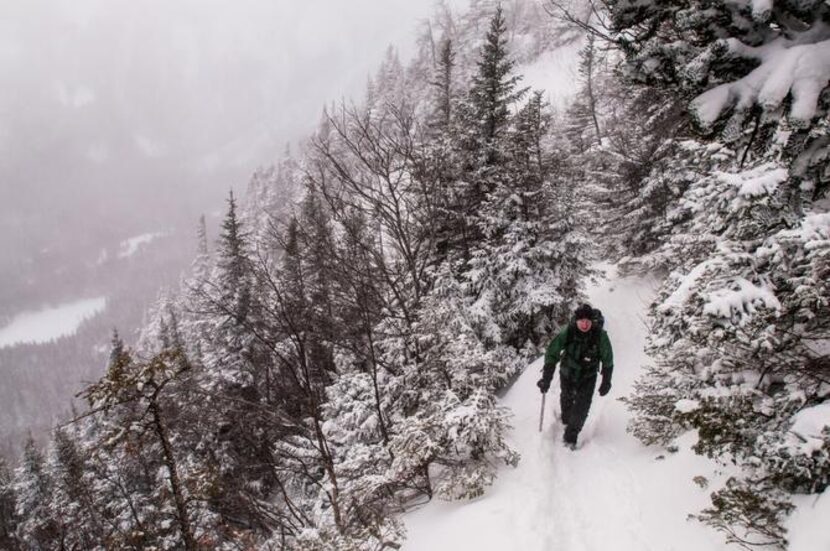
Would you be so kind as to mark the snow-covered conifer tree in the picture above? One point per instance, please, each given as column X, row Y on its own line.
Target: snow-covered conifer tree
column 450, row 417
column 493, row 92
column 528, row 269
column 8, row 505
column 72, row 504
column 740, row 325
column 32, row 489
column 142, row 396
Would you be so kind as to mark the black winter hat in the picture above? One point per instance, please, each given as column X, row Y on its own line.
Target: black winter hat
column 584, row 312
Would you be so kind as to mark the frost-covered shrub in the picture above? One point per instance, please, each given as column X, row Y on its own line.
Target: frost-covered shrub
column 388, row 534
column 451, row 434
column 750, row 513
column 737, row 332
column 475, row 430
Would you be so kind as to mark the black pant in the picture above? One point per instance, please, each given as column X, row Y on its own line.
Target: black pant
column 575, row 400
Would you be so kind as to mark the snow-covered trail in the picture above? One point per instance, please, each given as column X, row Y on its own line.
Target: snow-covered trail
column 610, row 493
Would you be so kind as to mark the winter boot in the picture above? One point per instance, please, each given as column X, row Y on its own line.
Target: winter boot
column 569, row 438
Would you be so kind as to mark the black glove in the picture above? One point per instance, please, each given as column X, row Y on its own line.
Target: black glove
column 543, row 384
column 605, row 385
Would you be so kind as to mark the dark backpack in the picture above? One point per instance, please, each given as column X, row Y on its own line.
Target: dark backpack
column 597, row 321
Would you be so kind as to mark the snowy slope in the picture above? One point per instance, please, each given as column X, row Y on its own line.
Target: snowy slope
column 556, row 73
column 611, row 493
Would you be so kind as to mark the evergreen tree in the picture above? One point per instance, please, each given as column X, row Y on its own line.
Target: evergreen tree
column 484, row 124
column 152, row 426
column 449, row 416
column 303, row 453
column 196, row 302
column 527, row 271
column 72, row 504
column 8, row 506
column 271, row 193
column 736, row 66
column 739, row 314
column 389, row 85
column 201, row 238
column 233, row 269
column 239, row 379
column 437, row 162
column 443, row 84
column 161, row 329
column 493, row 89
column 33, row 488
column 636, row 176
column 320, row 258
column 736, row 322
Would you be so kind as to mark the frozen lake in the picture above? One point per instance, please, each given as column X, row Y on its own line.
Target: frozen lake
column 49, row 323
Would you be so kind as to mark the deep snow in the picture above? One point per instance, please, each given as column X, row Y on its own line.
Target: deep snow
column 610, row 493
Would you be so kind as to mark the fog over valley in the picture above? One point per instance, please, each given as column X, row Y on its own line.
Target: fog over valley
column 120, row 117
column 120, row 124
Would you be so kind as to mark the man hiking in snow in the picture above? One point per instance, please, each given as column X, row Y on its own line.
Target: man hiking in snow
column 579, row 348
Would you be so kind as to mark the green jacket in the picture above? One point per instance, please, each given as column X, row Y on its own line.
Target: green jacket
column 581, row 356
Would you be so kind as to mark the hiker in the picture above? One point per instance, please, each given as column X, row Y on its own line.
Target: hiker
column 580, row 348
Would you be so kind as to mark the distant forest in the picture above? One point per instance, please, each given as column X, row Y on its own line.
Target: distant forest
column 39, row 380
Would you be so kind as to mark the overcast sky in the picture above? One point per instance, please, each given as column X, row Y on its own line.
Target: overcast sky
column 131, row 101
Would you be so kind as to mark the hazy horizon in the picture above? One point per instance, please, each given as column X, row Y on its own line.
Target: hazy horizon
column 126, row 117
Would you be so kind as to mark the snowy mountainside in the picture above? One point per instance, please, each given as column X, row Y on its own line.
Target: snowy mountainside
column 319, row 376
column 612, row 492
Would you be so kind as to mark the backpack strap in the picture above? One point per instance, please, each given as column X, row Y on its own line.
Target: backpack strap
column 569, row 335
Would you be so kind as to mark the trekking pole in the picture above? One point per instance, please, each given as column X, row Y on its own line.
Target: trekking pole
column 542, row 413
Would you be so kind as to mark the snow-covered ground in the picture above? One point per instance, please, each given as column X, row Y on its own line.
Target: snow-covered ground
column 130, row 246
column 50, row 323
column 610, row 493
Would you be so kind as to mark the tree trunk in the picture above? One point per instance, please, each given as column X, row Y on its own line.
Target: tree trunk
column 592, row 102
column 175, row 483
